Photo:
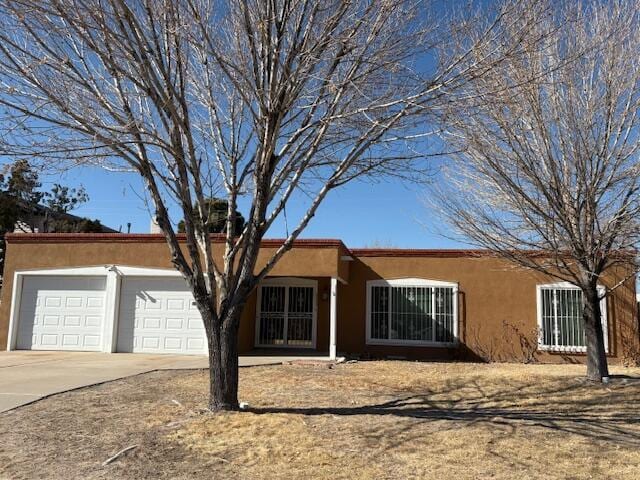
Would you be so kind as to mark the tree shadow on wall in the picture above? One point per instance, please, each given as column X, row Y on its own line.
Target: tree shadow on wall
column 515, row 345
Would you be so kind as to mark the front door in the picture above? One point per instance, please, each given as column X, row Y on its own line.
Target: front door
column 286, row 313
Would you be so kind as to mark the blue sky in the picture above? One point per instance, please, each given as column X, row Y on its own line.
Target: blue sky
column 390, row 213
column 387, row 214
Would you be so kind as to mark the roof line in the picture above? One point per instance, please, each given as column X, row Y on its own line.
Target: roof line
column 40, row 238
column 151, row 238
column 29, row 238
column 419, row 252
column 26, row 238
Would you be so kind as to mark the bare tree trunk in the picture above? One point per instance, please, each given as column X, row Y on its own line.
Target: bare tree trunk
column 223, row 361
column 215, row 362
column 229, row 354
column 596, row 355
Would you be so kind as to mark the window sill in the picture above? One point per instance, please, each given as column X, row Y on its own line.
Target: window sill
column 412, row 343
column 288, row 346
column 552, row 349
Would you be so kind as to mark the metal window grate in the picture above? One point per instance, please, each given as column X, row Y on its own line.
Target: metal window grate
column 272, row 315
column 443, row 314
column 286, row 316
column 562, row 325
column 300, row 316
column 380, row 312
column 412, row 313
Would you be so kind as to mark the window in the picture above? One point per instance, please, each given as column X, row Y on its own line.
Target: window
column 286, row 313
column 560, row 318
column 411, row 312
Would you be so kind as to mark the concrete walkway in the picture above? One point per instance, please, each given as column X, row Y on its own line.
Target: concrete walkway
column 28, row 376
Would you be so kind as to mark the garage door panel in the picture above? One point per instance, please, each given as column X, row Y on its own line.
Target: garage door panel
column 175, row 304
column 72, row 321
column 175, row 323
column 48, row 340
column 92, row 321
column 171, row 343
column 152, row 323
column 150, row 342
column 74, row 302
column 194, row 324
column 151, row 305
column 53, row 301
column 51, row 320
column 95, row 302
column 156, row 316
column 196, row 344
column 61, row 313
column 71, row 340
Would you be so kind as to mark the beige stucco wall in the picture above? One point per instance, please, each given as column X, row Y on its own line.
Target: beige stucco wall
column 497, row 309
column 319, row 262
column 497, row 301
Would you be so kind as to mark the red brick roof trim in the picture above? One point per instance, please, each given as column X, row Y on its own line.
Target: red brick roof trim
column 412, row 252
column 269, row 243
column 150, row 238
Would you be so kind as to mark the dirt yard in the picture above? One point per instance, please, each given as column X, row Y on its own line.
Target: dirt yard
column 359, row 421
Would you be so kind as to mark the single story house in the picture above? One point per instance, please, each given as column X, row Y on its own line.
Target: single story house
column 119, row 293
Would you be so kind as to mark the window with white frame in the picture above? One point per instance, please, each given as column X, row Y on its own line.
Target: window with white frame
column 560, row 317
column 411, row 311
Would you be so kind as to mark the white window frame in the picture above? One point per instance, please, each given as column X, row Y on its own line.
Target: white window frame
column 560, row 348
column 288, row 282
column 412, row 282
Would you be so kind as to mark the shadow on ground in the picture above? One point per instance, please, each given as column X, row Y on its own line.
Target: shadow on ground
column 598, row 412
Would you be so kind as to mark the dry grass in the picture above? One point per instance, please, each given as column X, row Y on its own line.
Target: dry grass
column 360, row 421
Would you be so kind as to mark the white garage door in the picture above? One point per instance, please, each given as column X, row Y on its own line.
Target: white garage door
column 61, row 313
column 158, row 315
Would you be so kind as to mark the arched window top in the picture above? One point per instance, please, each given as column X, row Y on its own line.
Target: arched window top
column 411, row 282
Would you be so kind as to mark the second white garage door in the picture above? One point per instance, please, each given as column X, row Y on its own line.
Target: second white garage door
column 158, row 315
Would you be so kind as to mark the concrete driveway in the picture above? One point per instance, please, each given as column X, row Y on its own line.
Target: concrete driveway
column 28, row 376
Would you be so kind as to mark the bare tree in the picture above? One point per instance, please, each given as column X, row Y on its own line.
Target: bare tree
column 549, row 173
column 250, row 100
